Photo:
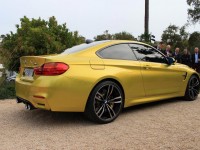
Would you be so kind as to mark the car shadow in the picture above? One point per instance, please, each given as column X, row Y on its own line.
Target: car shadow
column 152, row 105
column 41, row 118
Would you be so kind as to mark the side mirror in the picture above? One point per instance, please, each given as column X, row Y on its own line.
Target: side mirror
column 171, row 60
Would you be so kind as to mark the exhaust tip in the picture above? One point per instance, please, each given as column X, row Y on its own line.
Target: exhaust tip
column 26, row 106
column 29, row 106
column 18, row 100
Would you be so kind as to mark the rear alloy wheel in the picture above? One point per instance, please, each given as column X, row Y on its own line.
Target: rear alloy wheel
column 192, row 90
column 105, row 102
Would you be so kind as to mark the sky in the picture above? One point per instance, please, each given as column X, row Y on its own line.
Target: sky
column 93, row 17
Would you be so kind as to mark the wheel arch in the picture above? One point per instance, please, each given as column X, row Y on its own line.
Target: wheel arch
column 195, row 74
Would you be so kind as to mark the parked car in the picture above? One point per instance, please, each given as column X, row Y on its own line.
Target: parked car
column 101, row 78
column 11, row 78
column 1, row 70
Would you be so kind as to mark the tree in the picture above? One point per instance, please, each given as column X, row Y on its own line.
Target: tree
column 184, row 38
column 175, row 36
column 148, row 39
column 146, row 21
column 194, row 40
column 0, row 53
column 36, row 37
column 104, row 36
column 194, row 10
column 123, row 36
column 117, row 36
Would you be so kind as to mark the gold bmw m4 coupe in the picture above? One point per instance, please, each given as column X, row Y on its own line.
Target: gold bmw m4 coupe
column 101, row 78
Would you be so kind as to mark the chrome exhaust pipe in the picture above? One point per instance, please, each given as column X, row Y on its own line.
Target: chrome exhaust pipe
column 26, row 106
column 29, row 106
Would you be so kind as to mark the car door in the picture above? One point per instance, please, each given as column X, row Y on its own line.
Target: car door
column 120, row 62
column 159, row 77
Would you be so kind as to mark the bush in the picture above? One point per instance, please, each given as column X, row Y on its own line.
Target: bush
column 7, row 90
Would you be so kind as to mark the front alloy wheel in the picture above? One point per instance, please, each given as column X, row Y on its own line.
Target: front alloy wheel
column 192, row 90
column 105, row 102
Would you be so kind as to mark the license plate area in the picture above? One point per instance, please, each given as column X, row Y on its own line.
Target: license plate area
column 28, row 72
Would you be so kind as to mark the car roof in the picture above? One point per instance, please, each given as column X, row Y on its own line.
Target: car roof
column 97, row 45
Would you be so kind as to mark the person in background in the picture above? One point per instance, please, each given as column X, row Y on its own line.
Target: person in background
column 160, row 46
column 177, row 55
column 196, row 60
column 186, row 57
column 168, row 51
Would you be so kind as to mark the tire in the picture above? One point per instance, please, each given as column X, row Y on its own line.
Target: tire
column 105, row 102
column 192, row 90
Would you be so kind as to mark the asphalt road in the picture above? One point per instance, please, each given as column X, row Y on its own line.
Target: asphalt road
column 172, row 124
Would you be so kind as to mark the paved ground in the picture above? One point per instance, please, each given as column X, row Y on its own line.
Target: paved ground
column 171, row 124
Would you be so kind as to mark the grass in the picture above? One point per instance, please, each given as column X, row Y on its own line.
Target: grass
column 7, row 89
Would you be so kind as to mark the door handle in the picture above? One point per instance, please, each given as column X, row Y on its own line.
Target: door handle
column 147, row 67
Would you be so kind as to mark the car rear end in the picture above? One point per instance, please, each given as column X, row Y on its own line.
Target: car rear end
column 46, row 83
column 60, row 82
column 34, row 80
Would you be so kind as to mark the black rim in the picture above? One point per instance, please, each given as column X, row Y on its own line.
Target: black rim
column 194, row 88
column 108, row 102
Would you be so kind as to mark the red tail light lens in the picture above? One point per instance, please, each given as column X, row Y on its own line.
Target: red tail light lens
column 51, row 69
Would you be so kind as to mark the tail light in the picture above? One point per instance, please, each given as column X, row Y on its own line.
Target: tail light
column 51, row 69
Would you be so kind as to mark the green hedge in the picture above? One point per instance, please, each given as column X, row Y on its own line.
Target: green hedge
column 7, row 90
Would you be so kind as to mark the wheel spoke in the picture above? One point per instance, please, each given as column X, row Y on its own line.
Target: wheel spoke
column 101, row 110
column 110, row 109
column 109, row 92
column 116, row 100
column 98, row 98
column 195, row 91
column 192, row 81
column 191, row 93
column 196, row 84
column 99, row 94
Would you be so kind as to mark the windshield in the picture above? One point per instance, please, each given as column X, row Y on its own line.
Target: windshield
column 81, row 47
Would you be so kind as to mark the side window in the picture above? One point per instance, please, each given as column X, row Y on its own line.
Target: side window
column 120, row 51
column 149, row 54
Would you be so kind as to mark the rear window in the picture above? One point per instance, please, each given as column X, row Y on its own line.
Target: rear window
column 119, row 51
column 81, row 47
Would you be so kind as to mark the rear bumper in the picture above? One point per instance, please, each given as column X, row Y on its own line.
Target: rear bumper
column 54, row 93
column 33, row 105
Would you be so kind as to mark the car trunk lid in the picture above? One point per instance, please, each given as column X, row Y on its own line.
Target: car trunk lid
column 27, row 65
column 31, row 61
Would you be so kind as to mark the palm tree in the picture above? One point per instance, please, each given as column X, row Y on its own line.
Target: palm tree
column 146, row 21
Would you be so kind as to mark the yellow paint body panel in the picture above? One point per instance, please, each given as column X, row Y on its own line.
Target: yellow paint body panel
column 70, row 91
